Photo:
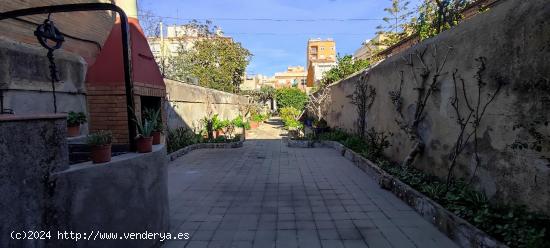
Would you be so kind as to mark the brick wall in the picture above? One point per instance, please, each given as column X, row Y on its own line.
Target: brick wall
column 107, row 108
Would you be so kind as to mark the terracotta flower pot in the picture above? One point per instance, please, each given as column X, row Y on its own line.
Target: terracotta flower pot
column 219, row 133
column 101, row 154
column 156, row 137
column 73, row 131
column 144, row 144
column 254, row 124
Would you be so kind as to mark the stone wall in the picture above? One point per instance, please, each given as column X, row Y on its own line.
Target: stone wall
column 25, row 80
column 512, row 40
column 30, row 148
column 187, row 104
column 41, row 192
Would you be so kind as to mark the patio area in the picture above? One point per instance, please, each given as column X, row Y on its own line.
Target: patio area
column 268, row 195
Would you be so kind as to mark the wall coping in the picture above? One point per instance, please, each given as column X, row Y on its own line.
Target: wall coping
column 31, row 117
column 115, row 160
column 457, row 229
column 183, row 151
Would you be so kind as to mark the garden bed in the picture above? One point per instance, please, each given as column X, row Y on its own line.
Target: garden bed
column 174, row 155
column 459, row 230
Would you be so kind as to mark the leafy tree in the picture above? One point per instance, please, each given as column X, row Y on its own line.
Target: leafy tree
column 346, row 66
column 217, row 62
column 291, row 97
column 397, row 23
column 436, row 16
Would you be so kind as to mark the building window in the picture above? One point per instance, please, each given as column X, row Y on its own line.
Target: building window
column 322, row 48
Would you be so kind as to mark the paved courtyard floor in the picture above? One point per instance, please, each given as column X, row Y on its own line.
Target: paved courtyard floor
column 268, row 195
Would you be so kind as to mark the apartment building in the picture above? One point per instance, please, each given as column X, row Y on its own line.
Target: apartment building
column 320, row 57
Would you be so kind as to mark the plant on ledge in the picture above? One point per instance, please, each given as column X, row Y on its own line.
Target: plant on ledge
column 100, row 146
column 144, row 139
column 152, row 114
column 74, row 120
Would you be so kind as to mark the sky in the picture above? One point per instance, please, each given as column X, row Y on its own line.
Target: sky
column 275, row 45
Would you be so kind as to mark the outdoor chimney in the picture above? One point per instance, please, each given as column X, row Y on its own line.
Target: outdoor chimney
column 105, row 79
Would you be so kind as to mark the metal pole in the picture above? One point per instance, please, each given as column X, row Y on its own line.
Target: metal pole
column 126, row 50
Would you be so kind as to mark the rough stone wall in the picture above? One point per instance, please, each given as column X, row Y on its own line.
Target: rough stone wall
column 30, row 148
column 25, row 80
column 41, row 192
column 187, row 104
column 512, row 38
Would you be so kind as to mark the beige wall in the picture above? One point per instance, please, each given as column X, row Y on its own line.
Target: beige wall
column 513, row 38
column 188, row 104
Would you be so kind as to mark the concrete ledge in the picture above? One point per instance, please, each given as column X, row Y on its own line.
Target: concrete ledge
column 174, row 155
column 457, row 229
column 300, row 143
column 127, row 194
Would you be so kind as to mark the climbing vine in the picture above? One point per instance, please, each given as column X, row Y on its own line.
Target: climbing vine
column 470, row 117
column 363, row 97
column 426, row 82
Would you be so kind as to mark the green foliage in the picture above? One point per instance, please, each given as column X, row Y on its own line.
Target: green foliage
column 240, row 122
column 217, row 62
column 181, row 137
column 346, row 66
column 291, row 97
column 257, row 117
column 75, row 119
column 264, row 94
column 377, row 142
column 152, row 114
column 436, row 16
column 145, row 126
column 512, row 225
column 289, row 116
column 99, row 138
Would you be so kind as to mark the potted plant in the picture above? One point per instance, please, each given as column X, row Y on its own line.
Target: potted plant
column 220, row 127
column 74, row 120
column 151, row 114
column 144, row 139
column 255, row 120
column 100, row 146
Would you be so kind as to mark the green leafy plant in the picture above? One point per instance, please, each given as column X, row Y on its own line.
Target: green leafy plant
column 217, row 62
column 145, row 127
column 75, row 119
column 99, row 138
column 152, row 114
column 291, row 97
column 289, row 116
column 240, row 122
column 345, row 67
column 257, row 117
column 181, row 137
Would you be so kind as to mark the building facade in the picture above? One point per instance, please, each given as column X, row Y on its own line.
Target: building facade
column 370, row 48
column 294, row 76
column 320, row 57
